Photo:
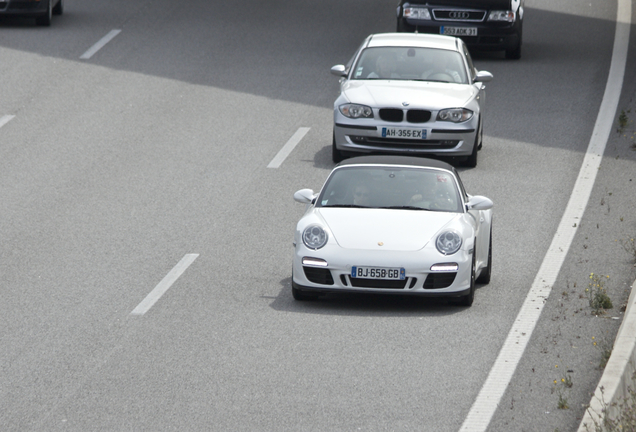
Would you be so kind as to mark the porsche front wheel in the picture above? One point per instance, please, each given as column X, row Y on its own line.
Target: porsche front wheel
column 468, row 299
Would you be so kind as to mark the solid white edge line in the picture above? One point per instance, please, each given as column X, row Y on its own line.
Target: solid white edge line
column 287, row 148
column 500, row 375
column 6, row 119
column 100, row 44
column 164, row 285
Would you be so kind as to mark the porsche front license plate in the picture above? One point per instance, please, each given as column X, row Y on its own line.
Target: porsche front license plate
column 458, row 31
column 407, row 133
column 378, row 273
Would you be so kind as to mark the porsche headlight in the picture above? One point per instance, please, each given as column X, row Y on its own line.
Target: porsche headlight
column 448, row 242
column 416, row 13
column 356, row 111
column 455, row 115
column 315, row 237
column 502, row 15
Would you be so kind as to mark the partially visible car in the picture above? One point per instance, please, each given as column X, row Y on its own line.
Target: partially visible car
column 414, row 94
column 41, row 10
column 488, row 25
column 392, row 225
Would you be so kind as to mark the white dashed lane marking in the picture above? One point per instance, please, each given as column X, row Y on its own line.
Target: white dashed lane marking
column 5, row 119
column 164, row 285
column 100, row 44
column 288, row 148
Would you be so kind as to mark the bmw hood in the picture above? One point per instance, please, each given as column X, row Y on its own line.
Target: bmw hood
column 384, row 229
column 418, row 94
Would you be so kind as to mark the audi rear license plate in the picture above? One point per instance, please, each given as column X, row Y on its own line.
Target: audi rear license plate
column 406, row 133
column 378, row 273
column 458, row 31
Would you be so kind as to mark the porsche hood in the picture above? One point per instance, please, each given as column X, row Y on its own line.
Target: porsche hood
column 406, row 230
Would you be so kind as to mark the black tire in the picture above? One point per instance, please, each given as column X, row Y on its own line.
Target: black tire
column 299, row 295
column 58, row 9
column 468, row 299
column 403, row 27
column 471, row 162
column 336, row 155
column 481, row 136
column 515, row 53
column 302, row 296
column 45, row 20
column 484, row 277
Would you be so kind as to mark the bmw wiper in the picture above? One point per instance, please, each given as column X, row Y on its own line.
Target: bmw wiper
column 405, row 208
column 345, row 206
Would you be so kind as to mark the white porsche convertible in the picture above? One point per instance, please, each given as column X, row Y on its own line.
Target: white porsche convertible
column 392, row 225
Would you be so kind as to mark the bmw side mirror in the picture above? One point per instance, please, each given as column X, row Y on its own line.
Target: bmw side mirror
column 338, row 70
column 483, row 76
column 478, row 202
column 304, row 196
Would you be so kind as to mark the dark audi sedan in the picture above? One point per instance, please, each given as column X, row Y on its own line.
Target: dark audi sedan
column 41, row 10
column 486, row 25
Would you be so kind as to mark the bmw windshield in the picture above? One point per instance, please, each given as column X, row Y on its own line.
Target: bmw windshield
column 408, row 63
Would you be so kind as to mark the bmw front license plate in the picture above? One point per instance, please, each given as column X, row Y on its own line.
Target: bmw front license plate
column 378, row 273
column 458, row 31
column 407, row 133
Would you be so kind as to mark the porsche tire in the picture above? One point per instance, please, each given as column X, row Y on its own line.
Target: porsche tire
column 468, row 299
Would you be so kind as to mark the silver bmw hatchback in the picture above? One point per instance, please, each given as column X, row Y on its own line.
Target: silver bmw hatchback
column 413, row 94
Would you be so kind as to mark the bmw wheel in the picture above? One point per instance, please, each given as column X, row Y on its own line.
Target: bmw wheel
column 471, row 162
column 336, row 155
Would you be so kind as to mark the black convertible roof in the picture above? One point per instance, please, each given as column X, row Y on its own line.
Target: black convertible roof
column 398, row 160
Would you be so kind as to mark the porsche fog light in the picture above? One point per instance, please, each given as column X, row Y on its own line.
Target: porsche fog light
column 356, row 111
column 502, row 15
column 314, row 262
column 416, row 13
column 314, row 237
column 455, row 115
column 449, row 267
column 448, row 242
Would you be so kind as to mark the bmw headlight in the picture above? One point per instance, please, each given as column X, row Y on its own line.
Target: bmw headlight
column 315, row 237
column 448, row 242
column 455, row 115
column 356, row 111
column 502, row 15
column 416, row 13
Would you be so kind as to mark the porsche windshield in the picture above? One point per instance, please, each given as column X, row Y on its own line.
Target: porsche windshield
column 399, row 188
column 408, row 63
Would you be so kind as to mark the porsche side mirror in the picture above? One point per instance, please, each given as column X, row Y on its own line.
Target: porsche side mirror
column 304, row 196
column 483, row 76
column 338, row 70
column 478, row 202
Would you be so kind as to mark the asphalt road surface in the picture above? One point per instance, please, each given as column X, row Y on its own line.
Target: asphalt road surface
column 155, row 148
